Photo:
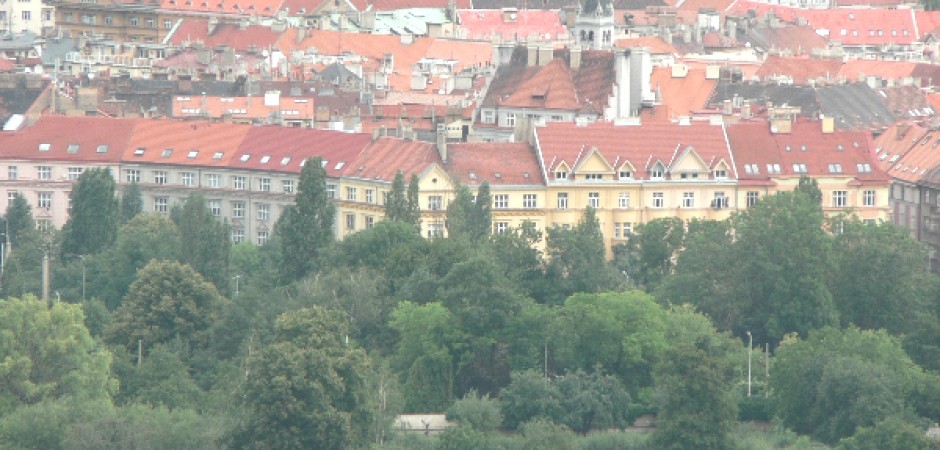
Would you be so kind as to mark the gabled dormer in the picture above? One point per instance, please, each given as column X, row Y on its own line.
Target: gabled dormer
column 593, row 166
column 657, row 171
column 626, row 171
column 562, row 172
column 689, row 165
column 721, row 170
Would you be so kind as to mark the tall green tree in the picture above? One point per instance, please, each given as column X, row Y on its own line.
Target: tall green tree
column 402, row 203
column 19, row 220
column 132, row 202
column 208, row 240
column 305, row 228
column 22, row 263
column 169, row 300
column 465, row 218
column 413, row 215
column 94, row 215
column 47, row 353
column 654, row 246
column 577, row 260
column 308, row 388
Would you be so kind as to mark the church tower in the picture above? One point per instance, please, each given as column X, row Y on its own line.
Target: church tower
column 594, row 25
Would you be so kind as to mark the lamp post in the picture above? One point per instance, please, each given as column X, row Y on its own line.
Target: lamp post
column 236, row 277
column 750, row 348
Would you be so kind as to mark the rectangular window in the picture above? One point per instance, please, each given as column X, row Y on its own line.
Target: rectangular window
column 12, row 172
column 167, row 24
column 626, row 174
column 159, row 177
column 487, row 116
column 370, row 222
column 238, row 182
column 11, row 196
column 659, row 200
column 74, row 173
column 151, row 23
column 88, row 19
column 215, row 207
column 238, row 210
column 773, row 169
column 435, row 202
column 264, row 185
column 530, row 200
column 688, row 199
column 839, row 199
column 161, row 204
column 561, row 175
column 264, row 211
column 44, row 172
column 44, row 199
column 657, row 173
column 370, row 195
column 350, row 221
column 799, row 168
column 622, row 230
column 752, row 197
column 594, row 199
column 562, row 200
column 134, row 21
column 351, row 193
column 108, row 20
column 435, row 230
column 132, row 176
column 720, row 201
column 501, row 227
column 501, row 201
column 623, row 201
column 27, row 16
column 187, row 179
column 212, row 180
column 238, row 235
column 262, row 237
column 288, row 186
column 510, row 120
column 330, row 190
column 868, row 198
column 593, row 176
column 721, row 173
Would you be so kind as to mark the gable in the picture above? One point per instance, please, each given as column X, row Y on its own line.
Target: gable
column 627, row 166
column 434, row 179
column 562, row 167
column 689, row 161
column 594, row 162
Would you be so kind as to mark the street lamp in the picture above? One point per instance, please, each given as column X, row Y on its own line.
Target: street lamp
column 750, row 348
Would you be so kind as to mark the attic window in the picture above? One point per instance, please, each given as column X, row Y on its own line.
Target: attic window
column 839, row 147
column 285, row 160
column 166, row 153
column 855, row 144
column 139, row 151
column 835, row 168
column 773, row 168
column 657, row 172
column 103, row 148
column 323, row 163
column 894, row 158
column 265, row 159
column 626, row 174
column 751, row 169
column 73, row 148
column 593, row 176
column 803, row 148
column 340, row 165
column 217, row 156
column 245, row 157
column 44, row 147
column 788, row 148
column 799, row 168
column 561, row 175
column 192, row 154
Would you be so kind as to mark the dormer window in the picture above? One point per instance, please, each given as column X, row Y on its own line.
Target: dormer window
column 561, row 175
column 863, row 167
column 73, row 148
column 799, row 168
column 626, row 174
column 192, row 154
column 593, row 176
column 217, row 156
column 835, row 168
column 751, row 169
column 721, row 173
column 657, row 172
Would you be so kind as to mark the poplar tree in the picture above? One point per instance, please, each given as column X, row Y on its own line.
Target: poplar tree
column 305, row 228
column 94, row 215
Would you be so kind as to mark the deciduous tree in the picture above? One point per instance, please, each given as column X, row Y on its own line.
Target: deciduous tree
column 208, row 241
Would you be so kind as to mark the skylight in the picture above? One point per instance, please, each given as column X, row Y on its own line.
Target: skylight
column 265, row 159
column 44, row 147
column 217, row 156
column 285, row 160
column 73, row 148
column 166, row 153
column 863, row 167
column 139, row 151
column 245, row 157
column 339, row 165
column 103, row 148
column 192, row 154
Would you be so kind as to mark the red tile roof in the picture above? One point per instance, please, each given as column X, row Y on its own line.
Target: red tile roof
column 656, row 44
column 897, row 140
column 190, row 143
column 640, row 145
column 192, row 30
column 797, row 39
column 243, row 7
column 801, row 70
column 485, row 24
column 382, row 159
column 337, row 149
column 753, row 143
column 550, row 87
column 888, row 70
column 389, row 5
column 503, row 163
column 289, row 108
column 681, row 96
column 921, row 158
column 93, row 140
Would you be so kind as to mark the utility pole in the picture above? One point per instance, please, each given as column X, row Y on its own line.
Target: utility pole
column 750, row 348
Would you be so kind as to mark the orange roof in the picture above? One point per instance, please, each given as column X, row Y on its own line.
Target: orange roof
column 656, row 44
column 798, row 39
column 549, row 88
column 485, row 24
column 801, row 70
column 289, row 108
column 383, row 158
column 467, row 53
column 888, row 70
column 499, row 163
column 242, row 7
column 388, row 5
column 897, row 140
column 921, row 158
column 59, row 138
column 284, row 149
column 192, row 30
column 681, row 96
column 184, row 143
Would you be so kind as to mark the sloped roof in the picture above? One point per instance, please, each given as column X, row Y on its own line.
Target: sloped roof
column 92, row 139
column 922, row 158
column 192, row 30
column 243, row 107
column 797, row 39
column 855, row 106
column 681, row 95
column 906, row 102
column 896, row 141
column 383, row 158
column 753, row 143
column 640, row 144
column 655, row 44
column 388, row 5
column 888, row 70
column 257, row 7
column 151, row 139
column 472, row 163
column 489, row 23
column 297, row 144
column 803, row 97
column 800, row 70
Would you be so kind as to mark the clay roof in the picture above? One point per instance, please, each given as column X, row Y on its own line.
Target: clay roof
column 86, row 139
column 906, row 102
column 655, row 44
column 192, row 30
column 679, row 96
column 184, row 143
column 797, row 39
column 243, row 107
column 754, row 144
column 921, row 158
column 502, row 163
column 388, row 5
column 383, row 158
column 258, row 7
column 296, row 144
column 897, row 140
column 641, row 145
column 487, row 24
column 888, row 70
column 801, row 70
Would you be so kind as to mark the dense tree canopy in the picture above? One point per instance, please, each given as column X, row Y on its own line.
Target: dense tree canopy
column 208, row 241
column 305, row 228
column 94, row 214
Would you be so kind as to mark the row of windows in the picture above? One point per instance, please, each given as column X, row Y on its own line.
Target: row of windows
column 161, row 204
column 657, row 173
column 772, row 169
column 351, row 222
column 134, row 21
column 212, row 180
column 839, row 199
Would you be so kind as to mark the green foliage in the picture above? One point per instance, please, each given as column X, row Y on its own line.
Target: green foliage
column 577, row 262
column 168, row 301
column 132, row 202
column 402, row 205
column 464, row 438
column 162, row 379
column 697, row 407
column 23, row 265
column 593, row 401
column 208, row 241
column 94, row 215
column 46, row 425
column 529, row 396
column 47, row 353
column 307, row 389
column 467, row 218
column 541, row 434
column 654, row 247
column 305, row 229
column 614, row 440
column 19, row 220
column 756, row 408
column 890, row 434
column 426, row 355
column 478, row 412
column 838, row 380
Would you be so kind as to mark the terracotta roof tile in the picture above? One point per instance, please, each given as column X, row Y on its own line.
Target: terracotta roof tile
column 382, row 159
column 290, row 108
column 502, row 163
column 337, row 149
column 888, row 70
column 258, row 7
column 192, row 30
column 551, row 87
column 388, row 5
column 189, row 143
column 655, row 44
column 801, row 70
column 897, row 140
column 59, row 138
column 681, row 96
column 485, row 24
column 922, row 157
column 640, row 145
column 797, row 39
